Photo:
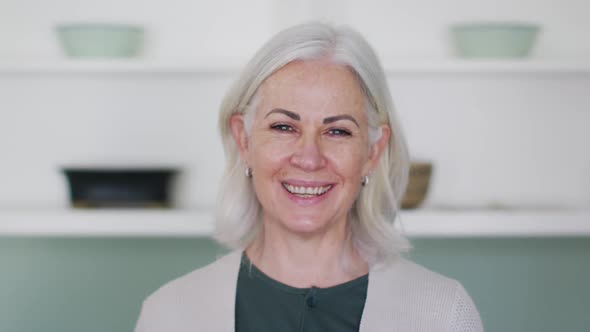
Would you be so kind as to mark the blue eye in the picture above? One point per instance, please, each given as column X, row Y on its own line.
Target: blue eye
column 339, row 132
column 282, row 127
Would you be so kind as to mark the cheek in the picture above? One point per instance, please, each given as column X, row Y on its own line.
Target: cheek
column 348, row 159
column 266, row 155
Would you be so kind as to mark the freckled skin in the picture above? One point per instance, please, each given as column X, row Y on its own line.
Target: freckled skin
column 280, row 148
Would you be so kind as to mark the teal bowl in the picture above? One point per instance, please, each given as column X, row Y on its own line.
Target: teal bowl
column 100, row 40
column 494, row 40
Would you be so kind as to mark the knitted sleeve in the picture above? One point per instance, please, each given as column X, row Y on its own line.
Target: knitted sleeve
column 464, row 315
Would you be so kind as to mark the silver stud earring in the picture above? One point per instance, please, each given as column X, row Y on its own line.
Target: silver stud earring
column 365, row 180
column 248, row 172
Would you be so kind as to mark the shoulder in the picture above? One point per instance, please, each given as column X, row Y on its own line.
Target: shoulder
column 418, row 294
column 406, row 279
column 412, row 274
column 200, row 292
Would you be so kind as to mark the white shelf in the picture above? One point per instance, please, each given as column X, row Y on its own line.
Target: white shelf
column 496, row 223
column 106, row 223
column 119, row 66
column 232, row 66
column 483, row 66
column 189, row 223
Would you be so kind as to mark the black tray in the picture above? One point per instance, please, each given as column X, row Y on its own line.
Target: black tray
column 119, row 187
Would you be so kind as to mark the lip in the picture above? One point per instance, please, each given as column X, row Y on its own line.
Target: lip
column 307, row 201
column 304, row 183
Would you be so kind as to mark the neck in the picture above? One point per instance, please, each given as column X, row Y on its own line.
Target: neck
column 306, row 260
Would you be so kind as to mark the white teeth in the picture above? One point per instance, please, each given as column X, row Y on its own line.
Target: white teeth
column 306, row 191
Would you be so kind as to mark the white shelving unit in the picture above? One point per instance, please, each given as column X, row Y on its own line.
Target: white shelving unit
column 228, row 66
column 189, row 223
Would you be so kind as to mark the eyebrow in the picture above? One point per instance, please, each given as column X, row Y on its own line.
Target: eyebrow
column 340, row 117
column 290, row 114
column 327, row 120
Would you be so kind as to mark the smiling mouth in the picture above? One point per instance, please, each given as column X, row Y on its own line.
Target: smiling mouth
column 306, row 192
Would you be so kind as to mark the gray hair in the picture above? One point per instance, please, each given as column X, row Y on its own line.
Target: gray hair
column 370, row 220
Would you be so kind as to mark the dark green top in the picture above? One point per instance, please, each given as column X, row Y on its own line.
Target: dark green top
column 264, row 304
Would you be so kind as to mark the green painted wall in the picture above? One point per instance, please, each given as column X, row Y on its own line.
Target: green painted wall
column 537, row 285
column 63, row 285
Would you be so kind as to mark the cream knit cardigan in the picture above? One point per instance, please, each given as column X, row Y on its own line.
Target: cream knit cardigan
column 402, row 297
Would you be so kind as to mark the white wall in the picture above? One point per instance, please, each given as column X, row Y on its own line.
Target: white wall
column 509, row 140
column 52, row 121
column 500, row 140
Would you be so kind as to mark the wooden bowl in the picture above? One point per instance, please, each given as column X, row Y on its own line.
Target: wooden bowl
column 419, row 180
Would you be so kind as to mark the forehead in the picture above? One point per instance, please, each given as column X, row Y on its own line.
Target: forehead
column 317, row 85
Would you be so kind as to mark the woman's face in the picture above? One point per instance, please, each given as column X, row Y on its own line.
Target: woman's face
column 308, row 146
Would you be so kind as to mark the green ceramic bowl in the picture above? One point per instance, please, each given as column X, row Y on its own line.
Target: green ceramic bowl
column 100, row 40
column 494, row 40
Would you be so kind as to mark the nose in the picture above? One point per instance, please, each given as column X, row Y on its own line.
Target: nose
column 308, row 154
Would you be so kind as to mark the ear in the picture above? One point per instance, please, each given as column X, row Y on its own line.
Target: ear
column 377, row 149
column 238, row 130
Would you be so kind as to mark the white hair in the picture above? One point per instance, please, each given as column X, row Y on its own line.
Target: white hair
column 370, row 219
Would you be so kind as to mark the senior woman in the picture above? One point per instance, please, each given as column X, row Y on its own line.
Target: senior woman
column 316, row 167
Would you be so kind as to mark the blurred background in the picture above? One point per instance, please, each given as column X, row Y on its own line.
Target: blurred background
column 505, row 129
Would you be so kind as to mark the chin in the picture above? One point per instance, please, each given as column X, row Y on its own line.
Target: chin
column 305, row 225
